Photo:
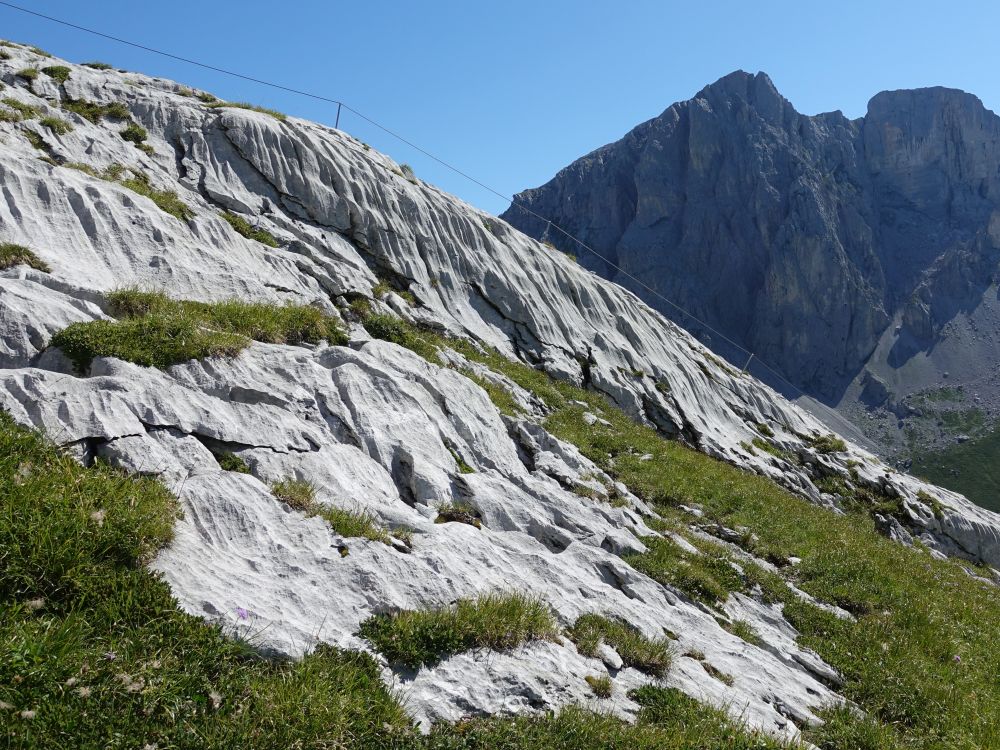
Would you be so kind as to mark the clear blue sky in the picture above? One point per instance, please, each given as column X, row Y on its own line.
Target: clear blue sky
column 512, row 91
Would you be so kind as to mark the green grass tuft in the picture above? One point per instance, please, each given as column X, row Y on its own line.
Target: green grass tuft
column 58, row 73
column 242, row 226
column 767, row 447
column 35, row 140
column 501, row 397
column 601, row 685
column 353, row 523
column 387, row 328
column 384, row 286
column 494, row 621
column 743, row 629
column 229, row 461
column 707, row 577
column 134, row 133
column 56, row 125
column 165, row 200
column 458, row 512
column 28, row 74
column 764, row 430
column 150, row 341
column 301, row 495
column 827, row 443
column 245, row 105
column 723, row 677
column 273, row 324
column 156, row 331
column 95, row 112
column 23, row 111
column 18, row 255
column 398, row 331
column 652, row 656
column 463, row 467
column 97, row 65
column 81, row 167
column 297, row 493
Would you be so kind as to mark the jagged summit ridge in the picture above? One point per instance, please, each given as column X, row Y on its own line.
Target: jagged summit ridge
column 739, row 151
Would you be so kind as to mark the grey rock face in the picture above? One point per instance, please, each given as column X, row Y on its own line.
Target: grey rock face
column 801, row 238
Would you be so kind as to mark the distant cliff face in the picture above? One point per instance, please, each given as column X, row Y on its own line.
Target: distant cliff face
column 807, row 240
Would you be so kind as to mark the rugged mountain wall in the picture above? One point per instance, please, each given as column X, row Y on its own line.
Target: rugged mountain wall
column 372, row 425
column 823, row 244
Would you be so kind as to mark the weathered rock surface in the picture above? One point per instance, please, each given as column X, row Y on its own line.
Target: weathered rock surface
column 372, row 425
column 820, row 243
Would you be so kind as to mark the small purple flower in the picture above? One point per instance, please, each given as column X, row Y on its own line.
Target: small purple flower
column 242, row 613
column 110, row 655
column 958, row 659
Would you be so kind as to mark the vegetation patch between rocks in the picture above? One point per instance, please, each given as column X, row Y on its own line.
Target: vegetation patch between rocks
column 166, row 200
column 827, row 443
column 215, row 104
column 301, row 495
column 56, row 124
column 920, row 658
column 707, row 577
column 243, row 227
column 500, row 622
column 600, row 685
column 136, row 134
column 458, row 512
column 229, row 461
column 156, row 331
column 95, row 112
column 58, row 73
column 18, row 110
column 649, row 655
column 93, row 646
column 138, row 182
column 18, row 255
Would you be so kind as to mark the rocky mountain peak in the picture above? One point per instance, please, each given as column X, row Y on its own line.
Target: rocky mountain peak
column 821, row 219
column 756, row 90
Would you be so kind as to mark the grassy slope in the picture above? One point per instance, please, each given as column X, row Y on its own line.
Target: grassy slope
column 921, row 657
column 95, row 647
column 977, row 463
column 79, row 612
column 95, row 654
